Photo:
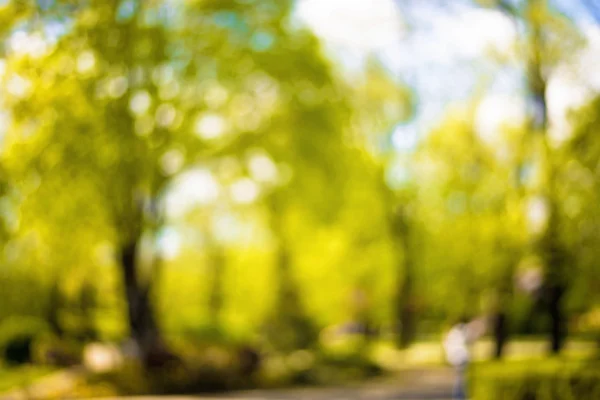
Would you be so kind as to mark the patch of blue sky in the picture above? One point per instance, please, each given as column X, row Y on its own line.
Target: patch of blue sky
column 230, row 20
column 126, row 10
column 169, row 242
column 577, row 10
column 262, row 41
column 167, row 14
column 54, row 29
column 45, row 5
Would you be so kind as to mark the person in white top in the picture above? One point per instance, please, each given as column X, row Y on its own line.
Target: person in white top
column 456, row 346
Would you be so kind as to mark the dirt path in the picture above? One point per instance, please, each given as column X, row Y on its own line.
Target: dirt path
column 432, row 383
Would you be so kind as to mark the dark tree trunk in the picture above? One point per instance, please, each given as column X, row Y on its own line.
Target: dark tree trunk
column 500, row 315
column 551, row 251
column 55, row 304
column 87, row 303
column 500, row 333
column 406, row 315
column 556, row 258
column 556, row 283
column 557, row 319
column 142, row 323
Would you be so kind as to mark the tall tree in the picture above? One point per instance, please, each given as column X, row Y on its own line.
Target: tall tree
column 546, row 39
column 381, row 103
column 132, row 92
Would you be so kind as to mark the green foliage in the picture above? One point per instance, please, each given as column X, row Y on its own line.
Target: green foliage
column 24, row 294
column 18, row 336
column 122, row 103
column 214, row 368
column 298, row 212
column 466, row 189
column 544, row 380
column 57, row 351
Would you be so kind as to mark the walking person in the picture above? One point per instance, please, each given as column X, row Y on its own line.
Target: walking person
column 456, row 346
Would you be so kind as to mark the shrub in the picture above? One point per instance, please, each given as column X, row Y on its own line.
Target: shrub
column 59, row 352
column 546, row 380
column 18, row 336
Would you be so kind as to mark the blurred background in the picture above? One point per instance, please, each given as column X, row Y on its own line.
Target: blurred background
column 207, row 195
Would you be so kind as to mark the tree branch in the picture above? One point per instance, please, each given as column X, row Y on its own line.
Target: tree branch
column 506, row 7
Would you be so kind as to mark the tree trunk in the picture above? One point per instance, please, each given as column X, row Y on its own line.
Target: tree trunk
column 557, row 320
column 500, row 316
column 87, row 306
column 551, row 251
column 142, row 323
column 289, row 327
column 406, row 316
column 289, row 308
column 55, row 303
column 500, row 333
column 556, row 282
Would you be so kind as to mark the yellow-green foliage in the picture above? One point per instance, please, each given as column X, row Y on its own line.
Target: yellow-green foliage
column 552, row 379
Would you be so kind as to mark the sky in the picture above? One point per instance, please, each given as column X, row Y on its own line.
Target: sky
column 436, row 56
column 438, row 52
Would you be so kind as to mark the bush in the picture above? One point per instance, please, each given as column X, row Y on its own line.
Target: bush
column 59, row 352
column 205, row 368
column 545, row 380
column 18, row 336
column 213, row 368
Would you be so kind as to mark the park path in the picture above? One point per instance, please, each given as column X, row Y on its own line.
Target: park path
column 431, row 383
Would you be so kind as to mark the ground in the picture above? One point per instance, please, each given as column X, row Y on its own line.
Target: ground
column 423, row 383
column 419, row 383
column 419, row 374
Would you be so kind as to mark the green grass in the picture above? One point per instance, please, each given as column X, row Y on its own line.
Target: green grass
column 520, row 367
column 16, row 377
column 549, row 378
column 520, row 349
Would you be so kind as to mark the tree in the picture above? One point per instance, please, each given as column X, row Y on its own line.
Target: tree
column 380, row 104
column 578, row 184
column 546, row 39
column 134, row 92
